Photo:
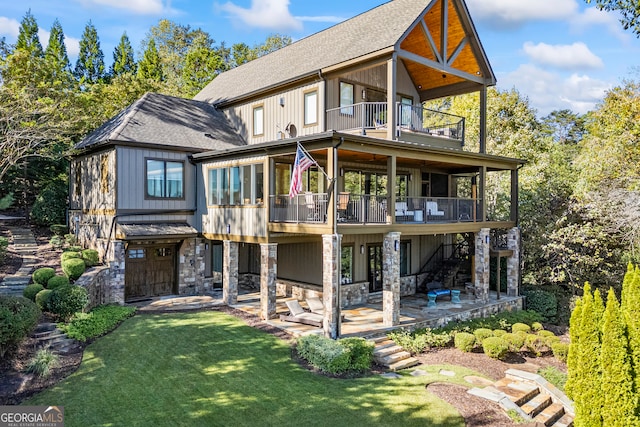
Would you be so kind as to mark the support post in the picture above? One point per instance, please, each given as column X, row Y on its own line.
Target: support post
column 331, row 284
column 392, row 66
column 230, row 272
column 391, row 279
column 482, row 265
column 268, row 276
column 513, row 262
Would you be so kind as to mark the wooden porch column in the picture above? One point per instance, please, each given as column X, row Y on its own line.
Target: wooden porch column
column 332, row 190
column 268, row 276
column 391, row 279
column 482, row 265
column 392, row 68
column 331, row 284
column 230, row 272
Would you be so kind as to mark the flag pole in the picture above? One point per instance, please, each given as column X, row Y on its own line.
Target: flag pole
column 314, row 161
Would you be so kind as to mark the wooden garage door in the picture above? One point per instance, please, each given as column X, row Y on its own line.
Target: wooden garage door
column 150, row 270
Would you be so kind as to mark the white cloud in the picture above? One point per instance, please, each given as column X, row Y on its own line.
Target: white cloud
column 72, row 44
column 268, row 14
column 549, row 91
column 140, row 7
column 9, row 27
column 514, row 13
column 592, row 17
column 567, row 57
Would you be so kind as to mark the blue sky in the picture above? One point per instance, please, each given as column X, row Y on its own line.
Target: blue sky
column 558, row 53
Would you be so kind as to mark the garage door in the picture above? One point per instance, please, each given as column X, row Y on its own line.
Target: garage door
column 150, row 270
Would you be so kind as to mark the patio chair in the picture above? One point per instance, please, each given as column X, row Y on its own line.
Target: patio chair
column 315, row 305
column 297, row 314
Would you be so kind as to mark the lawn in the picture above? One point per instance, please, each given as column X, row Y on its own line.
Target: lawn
column 209, row 368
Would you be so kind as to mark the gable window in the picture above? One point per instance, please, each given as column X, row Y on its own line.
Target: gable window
column 311, row 108
column 165, row 179
column 346, row 98
column 258, row 121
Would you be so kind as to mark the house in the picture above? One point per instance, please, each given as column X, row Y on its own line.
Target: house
column 180, row 195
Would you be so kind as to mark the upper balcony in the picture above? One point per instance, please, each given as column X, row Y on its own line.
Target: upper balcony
column 414, row 123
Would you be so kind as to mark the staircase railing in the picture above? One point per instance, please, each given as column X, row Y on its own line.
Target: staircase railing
column 438, row 267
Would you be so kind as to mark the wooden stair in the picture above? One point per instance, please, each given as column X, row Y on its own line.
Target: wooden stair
column 532, row 397
column 390, row 355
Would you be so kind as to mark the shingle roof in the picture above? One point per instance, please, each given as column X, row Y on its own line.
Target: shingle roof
column 166, row 120
column 366, row 33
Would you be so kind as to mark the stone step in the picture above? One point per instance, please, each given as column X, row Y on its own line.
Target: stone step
column 565, row 421
column 393, row 358
column 379, row 339
column 536, row 405
column 403, row 364
column 518, row 393
column 387, row 350
column 549, row 415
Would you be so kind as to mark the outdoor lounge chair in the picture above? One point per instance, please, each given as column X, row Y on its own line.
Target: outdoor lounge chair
column 315, row 305
column 298, row 315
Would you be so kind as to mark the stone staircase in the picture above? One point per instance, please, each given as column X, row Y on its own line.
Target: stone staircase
column 390, row 355
column 47, row 335
column 24, row 244
column 531, row 396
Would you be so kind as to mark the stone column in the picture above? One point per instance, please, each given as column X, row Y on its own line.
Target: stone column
column 116, row 271
column 191, row 267
column 331, row 284
column 391, row 279
column 513, row 262
column 230, row 272
column 482, row 264
column 268, row 276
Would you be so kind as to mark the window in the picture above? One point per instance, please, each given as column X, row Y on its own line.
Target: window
column 346, row 264
column 238, row 185
column 311, row 108
column 405, row 255
column 346, row 98
column 136, row 253
column 258, row 121
column 165, row 179
column 406, row 110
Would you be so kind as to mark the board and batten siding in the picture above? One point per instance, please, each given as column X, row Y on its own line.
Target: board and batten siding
column 300, row 262
column 92, row 182
column 131, row 164
column 276, row 116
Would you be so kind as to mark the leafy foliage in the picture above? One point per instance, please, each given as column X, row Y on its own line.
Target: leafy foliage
column 542, row 302
column 464, row 341
column 495, row 347
column 51, row 204
column 419, row 341
column 42, row 299
column 67, row 300
column 90, row 257
column 73, row 267
column 42, row 362
column 629, row 10
column 4, row 244
column 336, row 356
column 123, row 61
column 99, row 321
column 57, row 282
column 31, row 291
column 90, row 64
column 18, row 317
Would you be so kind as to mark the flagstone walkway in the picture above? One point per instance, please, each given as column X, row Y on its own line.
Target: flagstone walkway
column 24, row 244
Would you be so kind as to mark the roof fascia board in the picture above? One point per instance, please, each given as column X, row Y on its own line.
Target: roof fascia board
column 438, row 66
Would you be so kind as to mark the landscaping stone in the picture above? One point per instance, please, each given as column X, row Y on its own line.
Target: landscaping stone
column 390, row 375
column 447, row 373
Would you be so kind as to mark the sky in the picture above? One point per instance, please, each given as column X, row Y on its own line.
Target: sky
column 560, row 54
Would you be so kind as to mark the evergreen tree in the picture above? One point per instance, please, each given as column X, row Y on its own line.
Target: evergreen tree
column 617, row 377
column 90, row 65
column 201, row 65
column 56, row 56
column 28, row 39
column 149, row 67
column 574, row 374
column 631, row 314
column 123, row 61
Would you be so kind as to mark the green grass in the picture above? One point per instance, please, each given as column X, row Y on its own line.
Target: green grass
column 209, row 368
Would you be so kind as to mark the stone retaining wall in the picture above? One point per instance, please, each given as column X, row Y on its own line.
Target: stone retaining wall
column 96, row 281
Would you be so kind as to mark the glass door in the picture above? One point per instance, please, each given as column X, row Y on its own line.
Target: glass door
column 375, row 268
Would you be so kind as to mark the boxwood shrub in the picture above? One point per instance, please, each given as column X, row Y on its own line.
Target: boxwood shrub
column 560, row 350
column 69, row 255
column 90, row 257
column 535, row 344
column 360, row 353
column 58, row 281
column 67, row 300
column 32, row 290
column 18, row 317
column 324, row 353
column 42, row 299
column 97, row 322
column 499, row 332
column 42, row 275
column 520, row 327
column 59, row 229
column 482, row 333
column 515, row 341
column 73, row 268
column 464, row 341
column 495, row 347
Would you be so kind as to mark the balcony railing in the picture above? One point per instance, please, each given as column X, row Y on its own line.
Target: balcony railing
column 441, row 209
column 305, row 207
column 373, row 115
column 361, row 209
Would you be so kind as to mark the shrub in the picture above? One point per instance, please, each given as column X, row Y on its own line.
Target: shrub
column 4, row 244
column 90, row 257
column 546, row 334
column 42, row 363
column 58, row 281
column 32, row 290
column 520, row 327
column 42, row 275
column 59, row 229
column 6, row 201
column 56, row 242
column 360, row 353
column 42, row 299
column 495, row 347
column 543, row 302
column 18, row 317
column 70, row 239
column 97, row 322
column 464, row 341
column 515, row 341
column 324, row 353
column 420, row 340
column 535, row 344
column 502, row 320
column 499, row 332
column 554, row 376
column 51, row 203
column 69, row 255
column 560, row 350
column 66, row 300
column 74, row 248
column 73, row 268
column 537, row 326
column 482, row 333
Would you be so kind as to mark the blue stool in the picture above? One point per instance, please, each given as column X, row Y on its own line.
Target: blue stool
column 455, row 297
column 432, row 299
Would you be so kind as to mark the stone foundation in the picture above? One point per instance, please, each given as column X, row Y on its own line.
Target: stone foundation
column 354, row 294
column 191, row 267
column 96, row 281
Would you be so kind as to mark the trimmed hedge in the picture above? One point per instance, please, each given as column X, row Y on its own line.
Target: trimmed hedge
column 464, row 341
column 499, row 332
column 67, row 300
column 74, row 268
column 69, row 255
column 97, row 322
column 58, row 281
column 336, row 357
column 32, row 290
column 535, row 344
column 560, row 350
column 520, row 327
column 18, row 317
column 495, row 347
column 42, row 299
column 482, row 333
column 360, row 353
column 42, row 275
column 90, row 257
column 515, row 341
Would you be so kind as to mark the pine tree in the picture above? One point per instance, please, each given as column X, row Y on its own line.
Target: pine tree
column 617, row 380
column 56, row 56
column 28, row 39
column 573, row 367
column 201, row 65
column 150, row 67
column 90, row 65
column 123, row 61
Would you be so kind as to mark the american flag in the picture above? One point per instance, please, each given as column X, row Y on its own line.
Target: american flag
column 302, row 163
